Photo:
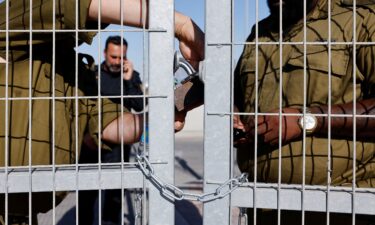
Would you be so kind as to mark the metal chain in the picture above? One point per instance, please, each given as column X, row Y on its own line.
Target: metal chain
column 174, row 193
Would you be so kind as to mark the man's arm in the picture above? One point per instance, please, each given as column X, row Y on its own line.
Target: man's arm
column 132, row 87
column 129, row 126
column 343, row 126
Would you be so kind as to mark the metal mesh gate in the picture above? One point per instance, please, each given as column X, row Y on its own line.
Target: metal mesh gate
column 158, row 192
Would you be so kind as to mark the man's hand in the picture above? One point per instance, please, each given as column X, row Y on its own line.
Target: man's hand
column 191, row 39
column 268, row 127
column 179, row 120
column 237, row 124
column 128, row 70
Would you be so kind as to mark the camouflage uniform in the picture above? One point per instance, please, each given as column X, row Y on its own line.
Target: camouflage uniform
column 53, row 121
column 317, row 92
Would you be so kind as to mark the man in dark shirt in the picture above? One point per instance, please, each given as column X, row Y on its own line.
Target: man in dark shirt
column 111, row 75
column 116, row 74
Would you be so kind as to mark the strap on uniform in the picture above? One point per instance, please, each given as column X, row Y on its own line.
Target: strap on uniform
column 358, row 2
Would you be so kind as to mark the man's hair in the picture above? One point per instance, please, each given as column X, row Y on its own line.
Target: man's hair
column 116, row 40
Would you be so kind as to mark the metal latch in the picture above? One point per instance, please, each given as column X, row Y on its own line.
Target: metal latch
column 188, row 90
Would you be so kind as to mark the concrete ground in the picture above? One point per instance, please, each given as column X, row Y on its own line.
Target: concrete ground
column 188, row 177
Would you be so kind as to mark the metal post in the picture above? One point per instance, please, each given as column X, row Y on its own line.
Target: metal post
column 217, row 128
column 161, row 112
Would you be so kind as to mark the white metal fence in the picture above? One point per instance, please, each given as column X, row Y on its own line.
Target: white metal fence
column 158, row 205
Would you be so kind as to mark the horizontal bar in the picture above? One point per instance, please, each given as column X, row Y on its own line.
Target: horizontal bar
column 83, row 97
column 140, row 30
column 290, row 114
column 290, row 43
column 66, row 179
column 315, row 198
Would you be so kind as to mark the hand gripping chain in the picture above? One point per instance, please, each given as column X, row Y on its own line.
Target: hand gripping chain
column 174, row 193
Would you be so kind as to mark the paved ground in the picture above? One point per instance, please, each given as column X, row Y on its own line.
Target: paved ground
column 188, row 177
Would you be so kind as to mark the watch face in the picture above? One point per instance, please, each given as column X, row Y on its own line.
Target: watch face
column 308, row 122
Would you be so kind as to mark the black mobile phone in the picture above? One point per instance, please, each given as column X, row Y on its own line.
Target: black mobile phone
column 238, row 134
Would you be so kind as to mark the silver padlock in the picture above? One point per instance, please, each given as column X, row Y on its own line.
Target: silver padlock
column 180, row 62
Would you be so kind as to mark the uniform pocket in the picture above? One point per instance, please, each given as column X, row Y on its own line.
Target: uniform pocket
column 317, row 60
column 319, row 73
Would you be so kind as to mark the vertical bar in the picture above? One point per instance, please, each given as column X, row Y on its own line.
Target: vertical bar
column 217, row 128
column 354, row 108
column 6, row 147
column 280, row 110
column 231, row 149
column 145, row 81
column 77, row 150
column 304, row 112
column 53, row 111
column 161, row 112
column 30, row 107
column 122, row 111
column 256, row 109
column 329, row 173
column 100, row 113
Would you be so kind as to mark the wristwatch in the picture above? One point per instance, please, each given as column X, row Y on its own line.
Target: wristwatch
column 308, row 122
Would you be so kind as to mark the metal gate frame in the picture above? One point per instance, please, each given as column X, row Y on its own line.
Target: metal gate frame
column 218, row 125
column 218, row 138
column 77, row 177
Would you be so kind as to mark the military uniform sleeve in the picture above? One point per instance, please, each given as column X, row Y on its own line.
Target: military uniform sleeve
column 109, row 111
column 133, row 87
column 70, row 19
column 42, row 18
column 366, row 52
column 238, row 83
column 70, row 13
column 238, row 95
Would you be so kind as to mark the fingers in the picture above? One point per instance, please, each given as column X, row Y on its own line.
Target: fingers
column 128, row 69
column 179, row 120
column 237, row 123
column 128, row 65
column 178, row 126
column 261, row 124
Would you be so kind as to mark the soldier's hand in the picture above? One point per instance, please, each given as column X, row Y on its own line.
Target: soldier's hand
column 238, row 129
column 128, row 70
column 179, row 120
column 191, row 40
column 268, row 127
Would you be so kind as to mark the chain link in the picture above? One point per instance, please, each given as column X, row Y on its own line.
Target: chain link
column 174, row 193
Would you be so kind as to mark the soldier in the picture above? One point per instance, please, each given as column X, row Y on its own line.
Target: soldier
column 341, row 95
column 54, row 115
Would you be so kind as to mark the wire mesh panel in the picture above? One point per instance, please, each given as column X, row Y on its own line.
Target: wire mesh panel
column 298, row 107
column 301, row 66
column 53, row 107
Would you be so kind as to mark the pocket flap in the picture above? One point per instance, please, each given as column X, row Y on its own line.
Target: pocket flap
column 317, row 59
